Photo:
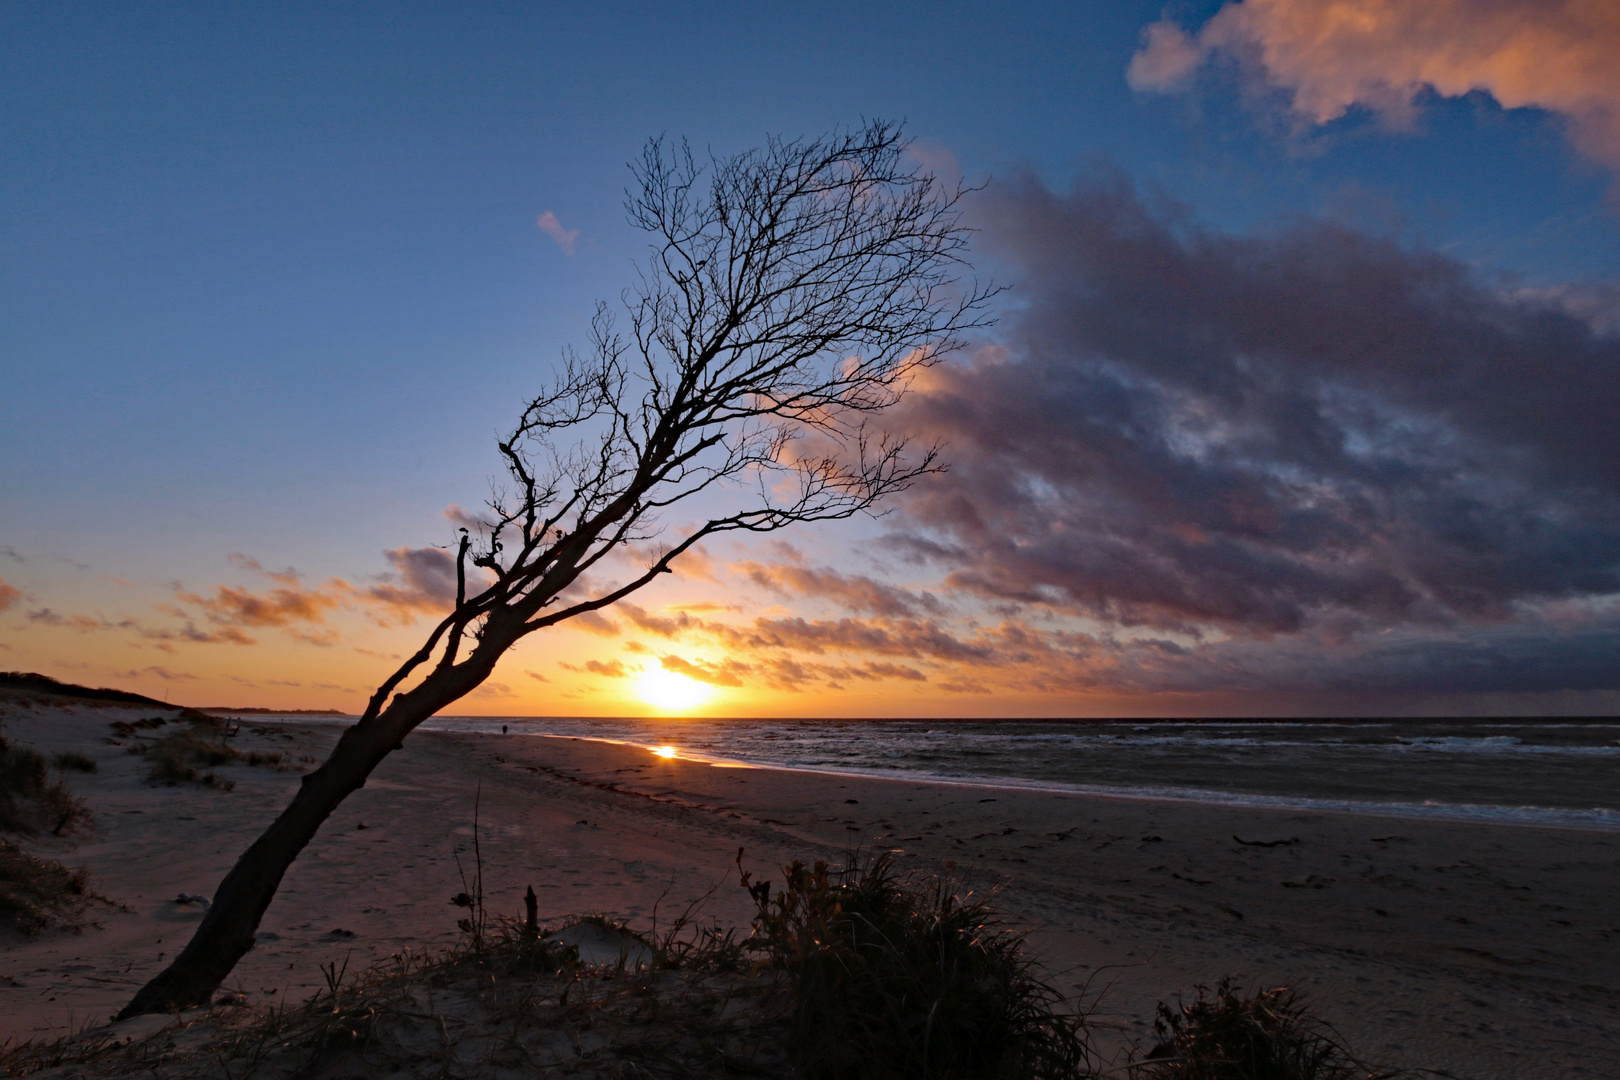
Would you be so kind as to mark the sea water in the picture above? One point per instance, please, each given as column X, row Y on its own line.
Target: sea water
column 1562, row 772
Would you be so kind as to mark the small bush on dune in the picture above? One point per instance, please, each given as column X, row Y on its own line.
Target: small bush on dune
column 130, row 727
column 896, row 976
column 29, row 800
column 183, row 756
column 180, row 759
column 71, row 762
column 35, row 893
column 1270, row 1036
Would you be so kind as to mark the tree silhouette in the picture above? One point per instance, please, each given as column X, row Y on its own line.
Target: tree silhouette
column 790, row 293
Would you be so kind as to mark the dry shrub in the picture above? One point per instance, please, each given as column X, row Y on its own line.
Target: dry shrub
column 37, row 894
column 29, row 799
column 185, row 756
column 130, row 727
column 897, row 976
column 180, row 757
column 68, row 761
column 1270, row 1036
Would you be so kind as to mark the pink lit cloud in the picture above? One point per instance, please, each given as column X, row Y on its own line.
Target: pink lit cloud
column 1330, row 56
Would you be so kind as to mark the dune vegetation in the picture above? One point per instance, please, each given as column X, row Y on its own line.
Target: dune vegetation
column 37, row 893
column 854, row 971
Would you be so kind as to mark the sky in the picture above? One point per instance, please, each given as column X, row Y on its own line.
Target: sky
column 1299, row 399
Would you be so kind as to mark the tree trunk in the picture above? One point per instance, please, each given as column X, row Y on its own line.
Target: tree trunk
column 228, row 927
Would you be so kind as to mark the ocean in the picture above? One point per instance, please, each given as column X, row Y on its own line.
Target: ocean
column 1563, row 772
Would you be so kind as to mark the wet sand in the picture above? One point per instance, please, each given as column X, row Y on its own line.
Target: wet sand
column 1483, row 950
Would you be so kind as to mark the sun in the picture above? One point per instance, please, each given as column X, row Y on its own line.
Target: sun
column 666, row 690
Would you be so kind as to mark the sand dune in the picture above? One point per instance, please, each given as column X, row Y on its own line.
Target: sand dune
column 1485, row 950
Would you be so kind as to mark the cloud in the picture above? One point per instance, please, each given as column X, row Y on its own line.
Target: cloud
column 1330, row 56
column 893, row 671
column 156, row 673
column 596, row 623
column 84, row 624
column 280, row 606
column 728, row 672
column 881, row 637
column 423, row 579
column 1166, row 61
column 553, row 228
column 323, row 639
column 288, row 577
column 608, row 669
column 472, row 520
column 1301, row 438
column 664, row 626
column 9, row 594
column 188, row 631
column 859, row 594
column 230, row 635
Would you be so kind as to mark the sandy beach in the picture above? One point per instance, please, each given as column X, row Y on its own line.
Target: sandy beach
column 1484, row 950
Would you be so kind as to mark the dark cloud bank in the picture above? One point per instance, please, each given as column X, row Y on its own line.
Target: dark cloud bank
column 1299, row 447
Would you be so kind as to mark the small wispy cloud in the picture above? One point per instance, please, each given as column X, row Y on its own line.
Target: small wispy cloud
column 553, row 228
column 84, row 624
column 155, row 672
column 610, row 669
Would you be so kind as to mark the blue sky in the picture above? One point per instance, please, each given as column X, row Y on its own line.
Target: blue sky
column 273, row 276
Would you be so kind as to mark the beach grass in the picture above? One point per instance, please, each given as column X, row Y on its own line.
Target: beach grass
column 1268, row 1035
column 38, row 893
column 896, row 975
column 30, row 800
column 189, row 754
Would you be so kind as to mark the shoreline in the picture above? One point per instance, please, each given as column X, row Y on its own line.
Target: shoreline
column 1457, row 813
column 1595, row 819
column 1487, row 951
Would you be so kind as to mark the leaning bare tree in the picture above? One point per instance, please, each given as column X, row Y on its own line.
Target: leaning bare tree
column 790, row 293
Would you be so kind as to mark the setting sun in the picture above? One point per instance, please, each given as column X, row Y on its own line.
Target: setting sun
column 666, row 690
